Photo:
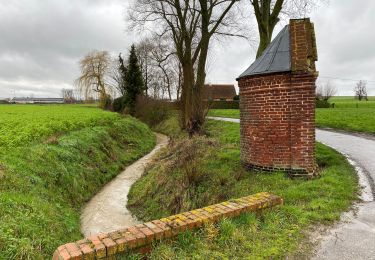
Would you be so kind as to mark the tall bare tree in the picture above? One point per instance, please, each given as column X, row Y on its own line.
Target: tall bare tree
column 269, row 12
column 68, row 95
column 117, row 79
column 95, row 70
column 360, row 90
column 191, row 24
column 326, row 91
column 144, row 49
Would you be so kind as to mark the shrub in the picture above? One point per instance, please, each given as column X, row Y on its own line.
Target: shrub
column 182, row 172
column 322, row 104
column 222, row 104
column 151, row 111
column 119, row 104
column 106, row 102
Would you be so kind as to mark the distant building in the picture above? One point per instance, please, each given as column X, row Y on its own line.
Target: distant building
column 219, row 92
column 28, row 100
column 4, row 100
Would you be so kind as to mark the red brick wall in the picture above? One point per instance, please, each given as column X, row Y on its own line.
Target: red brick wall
column 277, row 121
column 278, row 110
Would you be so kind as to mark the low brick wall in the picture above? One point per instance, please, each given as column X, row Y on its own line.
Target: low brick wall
column 141, row 236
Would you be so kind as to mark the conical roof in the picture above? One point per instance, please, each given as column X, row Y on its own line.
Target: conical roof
column 275, row 58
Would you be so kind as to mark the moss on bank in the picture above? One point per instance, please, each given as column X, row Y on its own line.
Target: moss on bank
column 44, row 184
column 206, row 170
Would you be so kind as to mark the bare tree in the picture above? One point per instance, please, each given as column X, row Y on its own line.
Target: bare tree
column 144, row 49
column 319, row 92
column 191, row 25
column 361, row 90
column 68, row 95
column 161, row 67
column 326, row 91
column 269, row 12
column 95, row 73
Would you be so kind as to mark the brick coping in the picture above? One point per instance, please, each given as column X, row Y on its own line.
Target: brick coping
column 104, row 246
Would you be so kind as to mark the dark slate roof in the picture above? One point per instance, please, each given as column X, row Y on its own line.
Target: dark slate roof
column 275, row 58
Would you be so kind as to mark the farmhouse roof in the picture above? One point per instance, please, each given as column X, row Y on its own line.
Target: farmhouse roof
column 219, row 91
column 275, row 58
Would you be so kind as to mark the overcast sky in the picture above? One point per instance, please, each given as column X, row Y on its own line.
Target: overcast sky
column 41, row 42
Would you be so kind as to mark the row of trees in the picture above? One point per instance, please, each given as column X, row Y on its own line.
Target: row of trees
column 173, row 59
column 100, row 74
column 190, row 26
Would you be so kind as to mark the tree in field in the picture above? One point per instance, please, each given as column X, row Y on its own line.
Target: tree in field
column 326, row 91
column 191, row 25
column 68, row 95
column 360, row 90
column 133, row 81
column 269, row 12
column 95, row 73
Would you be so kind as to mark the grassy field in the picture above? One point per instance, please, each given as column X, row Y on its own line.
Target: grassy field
column 52, row 160
column 350, row 102
column 349, row 114
column 21, row 124
column 197, row 172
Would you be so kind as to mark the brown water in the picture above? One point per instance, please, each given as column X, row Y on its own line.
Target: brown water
column 107, row 211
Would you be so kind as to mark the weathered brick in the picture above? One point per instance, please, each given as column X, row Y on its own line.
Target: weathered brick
column 98, row 246
column 140, row 237
column 88, row 251
column 166, row 229
column 110, row 245
column 147, row 232
column 158, row 232
column 62, row 254
column 131, row 239
column 74, row 251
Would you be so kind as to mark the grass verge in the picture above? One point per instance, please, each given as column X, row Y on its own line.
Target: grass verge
column 346, row 118
column 44, row 184
column 206, row 170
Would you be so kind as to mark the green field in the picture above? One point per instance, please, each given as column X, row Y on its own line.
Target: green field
column 22, row 124
column 53, row 159
column 205, row 170
column 350, row 102
column 349, row 114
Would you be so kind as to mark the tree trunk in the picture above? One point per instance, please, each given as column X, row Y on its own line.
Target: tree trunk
column 264, row 40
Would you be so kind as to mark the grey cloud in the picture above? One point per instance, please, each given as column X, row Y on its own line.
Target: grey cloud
column 41, row 42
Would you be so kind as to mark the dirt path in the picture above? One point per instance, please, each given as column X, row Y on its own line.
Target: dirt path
column 354, row 236
column 107, row 211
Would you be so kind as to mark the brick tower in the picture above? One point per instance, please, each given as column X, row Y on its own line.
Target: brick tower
column 277, row 103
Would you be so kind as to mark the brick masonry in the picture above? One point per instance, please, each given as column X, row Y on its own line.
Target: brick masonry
column 277, row 110
column 139, row 238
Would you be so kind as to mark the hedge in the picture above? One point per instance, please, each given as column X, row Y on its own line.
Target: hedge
column 222, row 104
column 322, row 104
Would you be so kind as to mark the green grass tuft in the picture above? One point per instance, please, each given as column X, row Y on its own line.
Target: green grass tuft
column 276, row 233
